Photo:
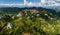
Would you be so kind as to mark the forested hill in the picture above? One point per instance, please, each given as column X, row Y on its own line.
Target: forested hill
column 31, row 20
column 14, row 10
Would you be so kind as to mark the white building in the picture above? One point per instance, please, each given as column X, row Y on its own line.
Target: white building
column 9, row 25
column 19, row 15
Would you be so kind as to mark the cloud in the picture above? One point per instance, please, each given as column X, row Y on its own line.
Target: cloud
column 11, row 5
column 30, row 4
column 51, row 3
column 25, row 2
column 58, row 1
column 43, row 1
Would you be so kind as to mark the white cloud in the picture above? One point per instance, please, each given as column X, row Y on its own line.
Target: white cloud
column 50, row 3
column 41, row 4
column 31, row 4
column 42, row 1
column 57, row 0
column 25, row 2
column 13, row 5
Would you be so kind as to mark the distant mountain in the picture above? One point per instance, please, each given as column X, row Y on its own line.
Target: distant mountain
column 14, row 10
column 9, row 10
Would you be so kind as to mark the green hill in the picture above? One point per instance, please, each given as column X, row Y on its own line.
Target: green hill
column 29, row 21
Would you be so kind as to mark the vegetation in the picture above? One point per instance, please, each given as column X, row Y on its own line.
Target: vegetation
column 30, row 21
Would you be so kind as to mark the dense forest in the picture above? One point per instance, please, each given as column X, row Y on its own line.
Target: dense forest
column 29, row 21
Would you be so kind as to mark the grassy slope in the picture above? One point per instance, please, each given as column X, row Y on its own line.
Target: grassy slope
column 36, row 25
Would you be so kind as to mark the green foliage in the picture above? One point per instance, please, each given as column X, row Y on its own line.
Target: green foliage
column 36, row 25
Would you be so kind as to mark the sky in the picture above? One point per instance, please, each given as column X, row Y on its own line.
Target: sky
column 11, row 1
column 18, row 3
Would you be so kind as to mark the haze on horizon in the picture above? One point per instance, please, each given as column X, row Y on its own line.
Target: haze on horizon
column 30, row 3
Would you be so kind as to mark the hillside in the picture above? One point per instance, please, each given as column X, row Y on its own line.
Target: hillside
column 14, row 10
column 29, row 21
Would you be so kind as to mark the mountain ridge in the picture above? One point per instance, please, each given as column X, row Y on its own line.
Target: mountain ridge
column 17, row 9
